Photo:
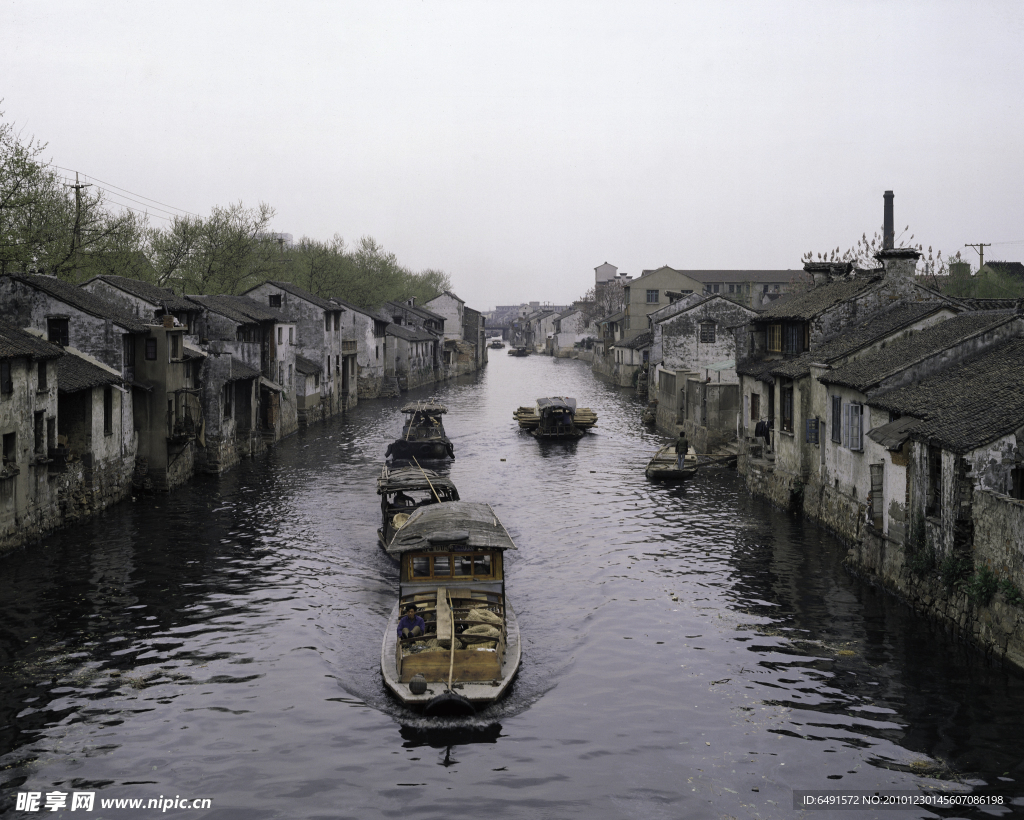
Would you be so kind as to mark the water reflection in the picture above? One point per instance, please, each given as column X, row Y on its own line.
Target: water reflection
column 684, row 645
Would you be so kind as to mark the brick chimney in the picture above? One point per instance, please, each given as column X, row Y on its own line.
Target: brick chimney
column 888, row 228
column 898, row 262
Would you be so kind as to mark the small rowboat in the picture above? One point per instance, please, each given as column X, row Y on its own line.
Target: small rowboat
column 556, row 417
column 665, row 465
column 423, row 435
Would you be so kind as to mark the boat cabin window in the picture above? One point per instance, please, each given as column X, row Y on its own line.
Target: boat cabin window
column 450, row 565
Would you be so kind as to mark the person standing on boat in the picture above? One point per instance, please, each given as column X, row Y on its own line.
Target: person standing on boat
column 411, row 625
column 682, row 447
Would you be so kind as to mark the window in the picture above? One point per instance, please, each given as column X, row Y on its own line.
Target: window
column 793, row 342
column 42, row 377
column 57, row 330
column 853, row 426
column 707, row 332
column 337, row 321
column 175, row 345
column 837, row 419
column 732, row 288
column 226, row 399
column 755, row 407
column 774, row 338
column 934, row 500
column 652, row 297
column 39, row 428
column 337, row 364
column 51, row 433
column 280, row 335
column 10, row 448
column 291, row 383
column 151, row 350
column 6, row 382
column 444, row 565
column 378, row 356
column 327, row 321
column 108, row 411
column 275, row 300
column 787, row 407
column 291, row 335
column 811, row 431
column 1017, row 483
column 716, row 288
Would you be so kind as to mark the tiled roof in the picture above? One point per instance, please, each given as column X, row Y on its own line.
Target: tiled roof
column 302, row 293
column 811, row 303
column 241, row 309
column 15, row 343
column 853, row 337
column 190, row 353
column 411, row 333
column 862, row 374
column 154, row 294
column 1014, row 269
column 240, row 371
column 988, row 304
column 639, row 342
column 304, row 365
column 756, row 368
column 743, row 276
column 83, row 300
column 423, row 313
column 969, row 405
column 75, row 373
column 373, row 314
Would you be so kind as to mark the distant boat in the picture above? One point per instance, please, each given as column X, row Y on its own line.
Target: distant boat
column 403, row 490
column 665, row 465
column 423, row 434
column 556, row 417
column 519, row 351
column 451, row 568
column 496, row 344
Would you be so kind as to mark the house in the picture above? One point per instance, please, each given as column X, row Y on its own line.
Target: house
column 629, row 357
column 90, row 461
column 571, row 329
column 147, row 301
column 694, row 351
column 786, row 339
column 319, row 338
column 475, row 334
column 73, row 317
column 29, row 497
column 366, row 331
column 450, row 308
column 264, row 339
column 862, row 460
column 648, row 293
column 753, row 288
column 415, row 352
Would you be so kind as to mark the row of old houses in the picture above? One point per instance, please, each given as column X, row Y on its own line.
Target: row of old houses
column 862, row 398
column 119, row 386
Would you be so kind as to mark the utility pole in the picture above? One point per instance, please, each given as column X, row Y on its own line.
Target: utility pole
column 76, row 241
column 980, row 248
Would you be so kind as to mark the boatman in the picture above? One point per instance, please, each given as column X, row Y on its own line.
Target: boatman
column 411, row 625
column 682, row 447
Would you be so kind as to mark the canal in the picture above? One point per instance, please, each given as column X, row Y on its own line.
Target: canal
column 688, row 652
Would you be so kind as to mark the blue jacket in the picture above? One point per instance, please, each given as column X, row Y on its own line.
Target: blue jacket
column 411, row 623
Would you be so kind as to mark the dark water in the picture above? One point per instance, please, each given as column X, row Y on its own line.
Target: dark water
column 687, row 652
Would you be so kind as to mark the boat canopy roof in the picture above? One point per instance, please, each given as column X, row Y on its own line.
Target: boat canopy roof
column 468, row 523
column 413, row 478
column 424, row 407
column 557, row 403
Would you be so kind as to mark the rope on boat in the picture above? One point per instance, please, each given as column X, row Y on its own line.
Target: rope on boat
column 436, row 496
column 451, row 663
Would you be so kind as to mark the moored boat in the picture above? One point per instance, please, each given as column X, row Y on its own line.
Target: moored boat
column 423, row 434
column 519, row 351
column 451, row 568
column 403, row 490
column 665, row 465
column 556, row 417
column 496, row 344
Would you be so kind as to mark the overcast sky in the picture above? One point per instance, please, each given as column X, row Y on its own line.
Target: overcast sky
column 518, row 145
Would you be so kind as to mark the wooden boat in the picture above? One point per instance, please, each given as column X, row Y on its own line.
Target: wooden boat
column 451, row 559
column 403, row 490
column 665, row 465
column 423, row 434
column 496, row 344
column 519, row 351
column 556, row 417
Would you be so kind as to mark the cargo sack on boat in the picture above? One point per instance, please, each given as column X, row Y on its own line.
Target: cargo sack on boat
column 485, row 645
column 483, row 615
column 443, row 645
column 486, row 630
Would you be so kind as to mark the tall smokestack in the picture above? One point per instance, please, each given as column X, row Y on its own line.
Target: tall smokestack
column 888, row 231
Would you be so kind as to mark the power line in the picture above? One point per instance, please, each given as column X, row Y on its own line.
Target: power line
column 126, row 191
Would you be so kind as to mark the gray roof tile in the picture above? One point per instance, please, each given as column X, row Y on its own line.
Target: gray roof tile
column 83, row 300
column 16, row 343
